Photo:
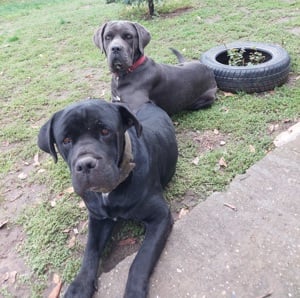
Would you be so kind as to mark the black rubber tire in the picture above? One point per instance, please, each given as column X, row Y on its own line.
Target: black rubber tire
column 255, row 78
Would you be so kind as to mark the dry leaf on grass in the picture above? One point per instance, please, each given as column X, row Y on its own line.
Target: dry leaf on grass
column 252, row 149
column 56, row 278
column 69, row 190
column 36, row 160
column 81, row 204
column 226, row 94
column 195, row 161
column 72, row 241
column 222, row 162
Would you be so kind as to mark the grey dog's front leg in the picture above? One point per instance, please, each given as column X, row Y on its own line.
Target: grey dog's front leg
column 83, row 285
column 157, row 231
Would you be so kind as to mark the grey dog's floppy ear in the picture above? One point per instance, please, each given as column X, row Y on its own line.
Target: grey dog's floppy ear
column 130, row 120
column 46, row 138
column 98, row 37
column 143, row 36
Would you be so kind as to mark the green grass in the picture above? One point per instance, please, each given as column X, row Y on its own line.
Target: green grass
column 48, row 60
column 49, row 228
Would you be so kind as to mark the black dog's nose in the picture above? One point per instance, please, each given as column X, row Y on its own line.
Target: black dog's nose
column 85, row 164
column 116, row 49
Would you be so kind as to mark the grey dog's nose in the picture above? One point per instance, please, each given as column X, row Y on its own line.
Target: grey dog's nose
column 85, row 164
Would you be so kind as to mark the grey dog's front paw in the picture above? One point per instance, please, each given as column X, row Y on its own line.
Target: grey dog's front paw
column 80, row 289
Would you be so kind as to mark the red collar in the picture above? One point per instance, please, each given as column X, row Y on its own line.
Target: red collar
column 134, row 66
column 137, row 63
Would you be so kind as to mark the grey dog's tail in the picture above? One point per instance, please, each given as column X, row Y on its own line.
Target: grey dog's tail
column 179, row 56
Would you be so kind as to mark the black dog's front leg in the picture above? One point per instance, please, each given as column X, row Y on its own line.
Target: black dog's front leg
column 158, row 228
column 83, row 285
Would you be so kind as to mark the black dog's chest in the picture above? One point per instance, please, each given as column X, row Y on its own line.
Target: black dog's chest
column 101, row 206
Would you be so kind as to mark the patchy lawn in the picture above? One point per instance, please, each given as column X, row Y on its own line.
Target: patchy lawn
column 48, row 60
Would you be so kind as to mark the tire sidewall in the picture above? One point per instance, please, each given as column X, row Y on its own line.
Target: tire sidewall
column 278, row 54
column 236, row 76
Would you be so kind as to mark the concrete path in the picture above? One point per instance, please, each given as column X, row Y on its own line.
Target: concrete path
column 244, row 242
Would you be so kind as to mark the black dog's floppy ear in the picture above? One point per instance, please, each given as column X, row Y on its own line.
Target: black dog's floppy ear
column 98, row 38
column 130, row 120
column 46, row 139
column 143, row 36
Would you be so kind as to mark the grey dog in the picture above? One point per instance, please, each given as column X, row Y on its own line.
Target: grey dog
column 137, row 79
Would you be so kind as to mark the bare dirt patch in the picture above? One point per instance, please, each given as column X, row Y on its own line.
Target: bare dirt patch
column 17, row 194
column 205, row 141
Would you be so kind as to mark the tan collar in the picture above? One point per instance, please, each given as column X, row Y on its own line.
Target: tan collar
column 125, row 168
column 127, row 163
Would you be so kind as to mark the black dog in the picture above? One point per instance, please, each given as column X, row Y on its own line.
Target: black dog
column 137, row 78
column 119, row 164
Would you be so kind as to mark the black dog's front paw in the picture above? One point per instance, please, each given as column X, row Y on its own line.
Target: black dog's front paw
column 80, row 289
column 135, row 292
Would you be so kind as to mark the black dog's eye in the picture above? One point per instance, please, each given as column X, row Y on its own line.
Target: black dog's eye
column 104, row 131
column 67, row 141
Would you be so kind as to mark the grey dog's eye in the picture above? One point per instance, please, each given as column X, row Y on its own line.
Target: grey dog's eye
column 128, row 36
column 108, row 37
column 67, row 140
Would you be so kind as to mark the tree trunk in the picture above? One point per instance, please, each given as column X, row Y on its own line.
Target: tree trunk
column 151, row 7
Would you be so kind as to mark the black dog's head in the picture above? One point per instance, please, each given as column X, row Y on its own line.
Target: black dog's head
column 90, row 136
column 123, row 42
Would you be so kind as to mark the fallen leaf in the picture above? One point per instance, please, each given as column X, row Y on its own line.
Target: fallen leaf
column 69, row 190
column 216, row 132
column 56, row 291
column 36, row 160
column 226, row 94
column 271, row 128
column 22, row 176
column 222, row 143
column 12, row 277
column 222, row 162
column 56, row 278
column 252, row 149
column 81, row 204
column 183, row 212
column 72, row 241
column 9, row 277
column 195, row 161
column 75, row 230
column 128, row 241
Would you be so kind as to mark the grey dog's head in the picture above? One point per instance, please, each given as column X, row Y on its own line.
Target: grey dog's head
column 89, row 135
column 123, row 42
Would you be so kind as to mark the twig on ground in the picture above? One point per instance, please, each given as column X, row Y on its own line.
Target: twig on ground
column 230, row 206
column 266, row 295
